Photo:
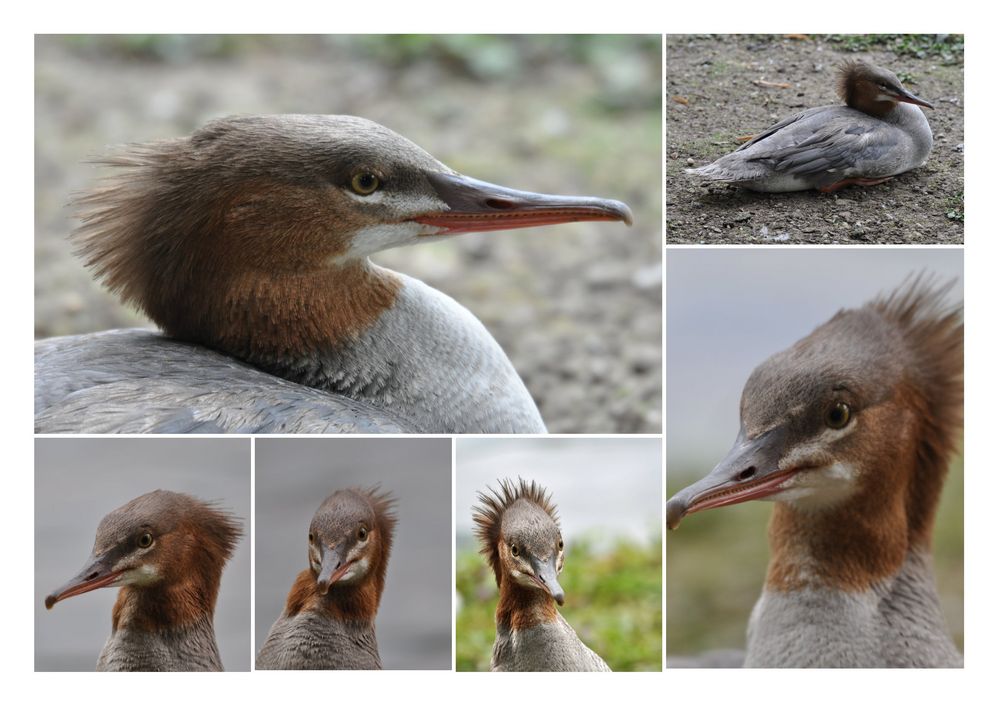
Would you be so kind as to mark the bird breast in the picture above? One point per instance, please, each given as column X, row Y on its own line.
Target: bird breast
column 312, row 641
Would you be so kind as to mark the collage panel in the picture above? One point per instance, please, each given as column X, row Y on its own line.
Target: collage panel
column 252, row 206
column 815, row 139
column 165, row 522
column 839, row 374
column 558, row 562
column 353, row 554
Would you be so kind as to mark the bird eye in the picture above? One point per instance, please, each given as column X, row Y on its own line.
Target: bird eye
column 560, row 544
column 364, row 183
column 312, row 538
column 838, row 416
column 362, row 533
column 145, row 540
column 514, row 551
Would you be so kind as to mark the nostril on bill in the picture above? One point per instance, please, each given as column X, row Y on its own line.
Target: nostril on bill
column 747, row 473
column 501, row 204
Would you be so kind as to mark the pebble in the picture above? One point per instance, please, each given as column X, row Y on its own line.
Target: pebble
column 648, row 277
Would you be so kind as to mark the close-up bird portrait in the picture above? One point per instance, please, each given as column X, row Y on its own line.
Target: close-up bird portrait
column 846, row 405
column 142, row 551
column 558, row 563
column 347, row 234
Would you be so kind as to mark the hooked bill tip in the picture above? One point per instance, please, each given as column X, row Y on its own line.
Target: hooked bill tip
column 50, row 601
column 675, row 512
column 626, row 213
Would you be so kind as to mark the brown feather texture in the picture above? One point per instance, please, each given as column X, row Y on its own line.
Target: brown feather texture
column 934, row 333
column 359, row 601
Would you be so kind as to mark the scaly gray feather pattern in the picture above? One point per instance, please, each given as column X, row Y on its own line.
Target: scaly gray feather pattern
column 429, row 361
column 897, row 624
column 545, row 647
column 309, row 641
column 188, row 649
column 140, row 382
column 427, row 365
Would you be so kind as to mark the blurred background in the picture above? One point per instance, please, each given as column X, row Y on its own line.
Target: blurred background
column 727, row 311
column 78, row 482
column 563, row 114
column 413, row 625
column 611, row 524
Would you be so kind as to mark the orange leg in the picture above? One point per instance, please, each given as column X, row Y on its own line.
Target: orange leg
column 860, row 181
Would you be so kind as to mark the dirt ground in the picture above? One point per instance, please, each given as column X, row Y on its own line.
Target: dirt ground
column 712, row 100
column 576, row 307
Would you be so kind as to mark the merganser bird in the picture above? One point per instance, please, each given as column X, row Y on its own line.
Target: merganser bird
column 849, row 431
column 876, row 136
column 329, row 617
column 252, row 238
column 166, row 551
column 518, row 529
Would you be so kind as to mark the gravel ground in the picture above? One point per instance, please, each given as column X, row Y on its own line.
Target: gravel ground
column 712, row 100
column 576, row 307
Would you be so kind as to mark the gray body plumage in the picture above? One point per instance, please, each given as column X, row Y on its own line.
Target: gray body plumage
column 552, row 646
column 310, row 641
column 897, row 624
column 427, row 365
column 429, row 361
column 825, row 145
column 140, row 382
column 188, row 649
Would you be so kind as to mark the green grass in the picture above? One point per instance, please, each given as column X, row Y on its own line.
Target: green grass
column 948, row 48
column 477, row 56
column 613, row 601
column 956, row 207
column 719, row 68
column 716, row 562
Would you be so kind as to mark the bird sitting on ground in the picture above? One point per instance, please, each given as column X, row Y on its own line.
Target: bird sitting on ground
column 878, row 134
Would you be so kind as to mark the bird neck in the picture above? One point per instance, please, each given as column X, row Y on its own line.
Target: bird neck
column 865, row 539
column 167, row 606
column 850, row 548
column 522, row 607
column 266, row 317
column 354, row 603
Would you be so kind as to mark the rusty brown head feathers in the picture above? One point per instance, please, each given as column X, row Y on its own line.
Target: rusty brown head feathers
column 868, row 403
column 349, row 542
column 166, row 551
